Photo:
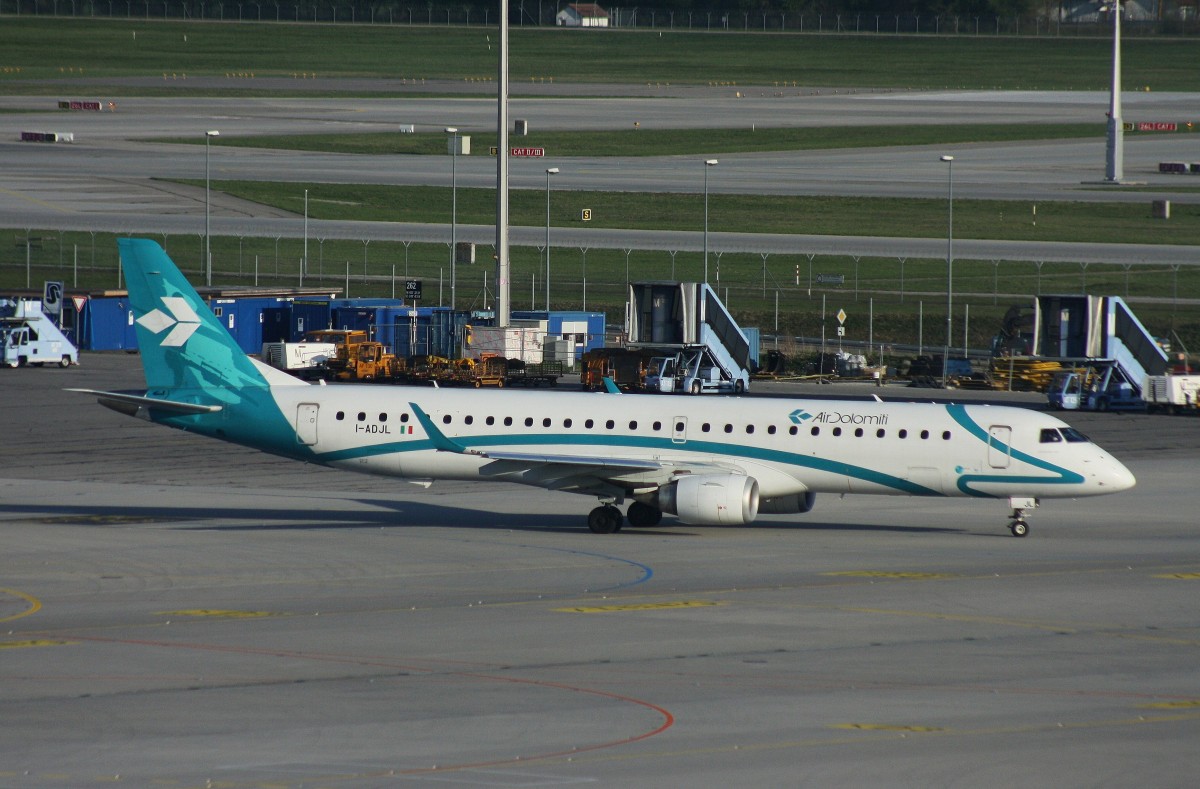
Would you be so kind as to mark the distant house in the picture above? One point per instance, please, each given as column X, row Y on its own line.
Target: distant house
column 582, row 15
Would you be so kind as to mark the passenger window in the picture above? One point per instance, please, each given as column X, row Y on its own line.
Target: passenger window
column 491, row 420
column 546, row 422
column 1050, row 436
column 704, row 428
column 404, row 417
column 749, row 429
column 566, row 423
column 816, row 431
column 508, row 421
column 633, row 425
column 771, row 430
column 588, row 424
column 903, row 433
column 658, row 426
column 793, row 430
column 728, row 428
column 383, row 417
column 837, row 431
column 945, row 435
column 880, row 433
column 528, row 421
column 924, row 434
column 446, row 419
column 469, row 419
column 341, row 415
column 362, row 417
column 858, row 432
column 610, row 424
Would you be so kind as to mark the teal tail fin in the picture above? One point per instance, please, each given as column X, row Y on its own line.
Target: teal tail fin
column 183, row 345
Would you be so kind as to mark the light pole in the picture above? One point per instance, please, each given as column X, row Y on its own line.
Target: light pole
column 208, row 135
column 707, row 164
column 949, row 160
column 549, row 172
column 453, row 210
column 1114, row 165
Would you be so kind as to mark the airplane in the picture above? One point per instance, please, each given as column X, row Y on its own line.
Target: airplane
column 708, row 461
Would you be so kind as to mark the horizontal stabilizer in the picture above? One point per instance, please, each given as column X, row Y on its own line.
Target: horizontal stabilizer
column 129, row 403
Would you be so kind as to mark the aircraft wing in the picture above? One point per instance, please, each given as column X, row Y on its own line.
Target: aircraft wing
column 579, row 473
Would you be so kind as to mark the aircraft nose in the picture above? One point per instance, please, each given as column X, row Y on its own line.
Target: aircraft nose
column 1115, row 477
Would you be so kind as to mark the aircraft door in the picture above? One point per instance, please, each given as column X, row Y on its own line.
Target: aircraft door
column 679, row 430
column 999, row 446
column 306, row 423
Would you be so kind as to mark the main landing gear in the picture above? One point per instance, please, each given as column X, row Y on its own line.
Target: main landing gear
column 607, row 519
column 1017, row 524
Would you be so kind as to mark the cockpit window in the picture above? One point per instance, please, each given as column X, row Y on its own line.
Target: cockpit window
column 1050, row 436
column 1074, row 436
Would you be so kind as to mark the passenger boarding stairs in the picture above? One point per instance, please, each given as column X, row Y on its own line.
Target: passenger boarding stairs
column 1099, row 328
column 688, row 318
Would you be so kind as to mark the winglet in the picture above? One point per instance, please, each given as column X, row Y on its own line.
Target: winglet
column 610, row 386
column 437, row 437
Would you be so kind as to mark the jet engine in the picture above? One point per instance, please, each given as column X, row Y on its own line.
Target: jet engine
column 786, row 505
column 710, row 499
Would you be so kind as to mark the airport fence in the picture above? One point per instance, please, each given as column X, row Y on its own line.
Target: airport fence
column 895, row 300
column 1050, row 21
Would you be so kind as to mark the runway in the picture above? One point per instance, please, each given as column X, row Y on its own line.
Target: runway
column 180, row 612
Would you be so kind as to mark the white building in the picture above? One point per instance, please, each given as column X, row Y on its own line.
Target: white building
column 582, row 15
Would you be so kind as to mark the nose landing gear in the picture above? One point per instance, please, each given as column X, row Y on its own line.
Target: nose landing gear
column 1017, row 524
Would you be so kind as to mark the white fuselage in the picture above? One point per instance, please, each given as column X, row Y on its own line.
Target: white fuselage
column 789, row 446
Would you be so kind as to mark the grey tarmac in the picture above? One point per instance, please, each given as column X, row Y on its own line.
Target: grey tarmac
column 180, row 612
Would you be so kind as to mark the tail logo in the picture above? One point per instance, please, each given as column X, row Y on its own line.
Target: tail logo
column 183, row 321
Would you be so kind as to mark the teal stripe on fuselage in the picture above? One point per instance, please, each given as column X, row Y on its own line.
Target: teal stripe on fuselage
column 704, row 448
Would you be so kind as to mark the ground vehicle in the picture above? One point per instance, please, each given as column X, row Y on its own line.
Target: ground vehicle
column 1172, row 392
column 370, row 361
column 1093, row 388
column 307, row 360
column 28, row 336
column 690, row 371
column 626, row 368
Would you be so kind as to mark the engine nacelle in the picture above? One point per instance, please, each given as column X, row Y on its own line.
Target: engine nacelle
column 786, row 505
column 711, row 499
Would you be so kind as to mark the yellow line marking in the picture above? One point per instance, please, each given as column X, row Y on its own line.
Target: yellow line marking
column 886, row 727
column 1171, row 705
column 37, row 643
column 215, row 613
column 602, row 609
column 33, row 200
column 901, row 575
column 1181, row 576
column 35, row 605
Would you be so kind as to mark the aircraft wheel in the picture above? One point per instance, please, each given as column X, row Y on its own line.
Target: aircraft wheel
column 604, row 520
column 1019, row 528
column 640, row 515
